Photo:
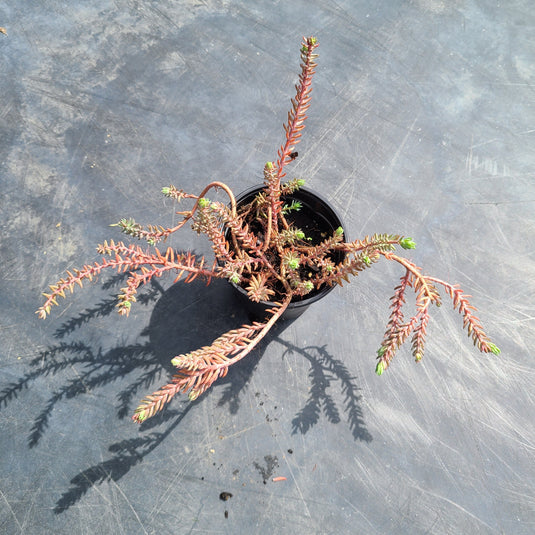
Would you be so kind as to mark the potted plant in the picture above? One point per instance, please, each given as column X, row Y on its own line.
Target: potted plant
column 282, row 247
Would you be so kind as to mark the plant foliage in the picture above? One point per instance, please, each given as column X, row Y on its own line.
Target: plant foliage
column 257, row 246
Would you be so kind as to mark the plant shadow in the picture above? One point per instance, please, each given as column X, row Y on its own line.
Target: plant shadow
column 324, row 371
column 173, row 329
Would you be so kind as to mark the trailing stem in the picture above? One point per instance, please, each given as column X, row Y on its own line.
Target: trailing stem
column 154, row 234
column 470, row 322
column 199, row 369
column 300, row 104
column 140, row 264
column 424, row 286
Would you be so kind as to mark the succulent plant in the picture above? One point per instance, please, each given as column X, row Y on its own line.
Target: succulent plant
column 257, row 246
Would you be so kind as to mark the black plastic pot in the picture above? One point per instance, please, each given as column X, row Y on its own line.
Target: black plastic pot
column 318, row 220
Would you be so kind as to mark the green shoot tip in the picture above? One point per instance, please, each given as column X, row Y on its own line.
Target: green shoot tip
column 140, row 416
column 494, row 349
column 380, row 368
column 407, row 243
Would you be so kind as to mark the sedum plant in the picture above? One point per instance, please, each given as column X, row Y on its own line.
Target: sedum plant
column 257, row 246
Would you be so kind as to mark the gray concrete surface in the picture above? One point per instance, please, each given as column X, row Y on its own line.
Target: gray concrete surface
column 422, row 123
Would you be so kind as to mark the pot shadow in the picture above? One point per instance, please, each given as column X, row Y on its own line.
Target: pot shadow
column 215, row 310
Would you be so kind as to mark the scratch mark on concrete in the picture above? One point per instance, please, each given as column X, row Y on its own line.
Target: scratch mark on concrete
column 294, row 479
column 238, row 433
column 358, row 511
column 377, row 208
column 400, row 148
column 11, row 511
column 483, row 143
column 523, row 440
column 497, row 203
column 121, row 492
column 455, row 504
column 469, row 157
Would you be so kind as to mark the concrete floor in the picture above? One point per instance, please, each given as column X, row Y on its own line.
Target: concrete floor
column 422, row 124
